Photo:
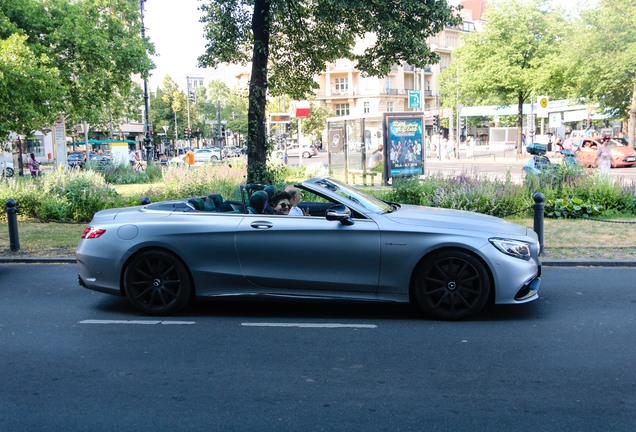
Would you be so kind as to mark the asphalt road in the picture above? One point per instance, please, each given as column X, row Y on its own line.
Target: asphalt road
column 74, row 359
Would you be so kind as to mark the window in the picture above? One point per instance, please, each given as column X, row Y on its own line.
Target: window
column 342, row 110
column 389, row 107
column 367, row 107
column 342, row 84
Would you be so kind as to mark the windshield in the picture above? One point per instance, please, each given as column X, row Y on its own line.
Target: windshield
column 344, row 190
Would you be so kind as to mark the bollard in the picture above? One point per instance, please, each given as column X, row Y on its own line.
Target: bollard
column 12, row 218
column 539, row 208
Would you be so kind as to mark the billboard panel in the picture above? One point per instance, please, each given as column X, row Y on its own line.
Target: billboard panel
column 403, row 146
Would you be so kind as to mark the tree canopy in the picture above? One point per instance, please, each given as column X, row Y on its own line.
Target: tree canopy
column 512, row 57
column 600, row 57
column 82, row 55
column 290, row 41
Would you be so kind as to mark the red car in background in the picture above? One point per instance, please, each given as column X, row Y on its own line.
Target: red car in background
column 585, row 150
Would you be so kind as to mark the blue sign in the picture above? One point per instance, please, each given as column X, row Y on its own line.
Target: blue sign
column 414, row 99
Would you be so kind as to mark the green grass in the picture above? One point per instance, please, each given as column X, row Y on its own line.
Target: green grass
column 563, row 239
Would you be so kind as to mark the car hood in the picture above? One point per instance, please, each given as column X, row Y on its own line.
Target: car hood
column 433, row 217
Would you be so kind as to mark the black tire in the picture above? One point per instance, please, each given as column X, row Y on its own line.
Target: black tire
column 452, row 285
column 214, row 158
column 8, row 172
column 157, row 283
column 306, row 155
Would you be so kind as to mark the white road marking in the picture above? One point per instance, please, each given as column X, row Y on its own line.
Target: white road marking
column 144, row 322
column 309, row 325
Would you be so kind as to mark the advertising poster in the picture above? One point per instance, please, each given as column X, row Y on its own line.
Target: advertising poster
column 404, row 151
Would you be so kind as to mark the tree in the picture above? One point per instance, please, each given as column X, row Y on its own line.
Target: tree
column 91, row 49
column 512, row 57
column 29, row 87
column 601, row 58
column 297, row 38
column 315, row 123
column 168, row 107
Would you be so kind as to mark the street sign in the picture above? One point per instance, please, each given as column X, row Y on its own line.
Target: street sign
column 415, row 99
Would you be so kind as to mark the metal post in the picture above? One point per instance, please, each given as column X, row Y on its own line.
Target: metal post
column 539, row 208
column 218, row 125
column 147, row 139
column 14, row 239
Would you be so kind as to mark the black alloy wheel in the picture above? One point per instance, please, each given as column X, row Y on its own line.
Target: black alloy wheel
column 452, row 285
column 157, row 283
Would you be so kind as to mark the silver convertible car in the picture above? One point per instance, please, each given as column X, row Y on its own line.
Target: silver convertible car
column 350, row 246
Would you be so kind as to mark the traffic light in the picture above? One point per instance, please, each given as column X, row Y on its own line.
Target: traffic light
column 223, row 131
column 193, row 96
column 436, row 121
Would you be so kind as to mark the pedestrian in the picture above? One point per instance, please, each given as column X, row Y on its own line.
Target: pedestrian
column 132, row 158
column 34, row 165
column 471, row 147
column 604, row 157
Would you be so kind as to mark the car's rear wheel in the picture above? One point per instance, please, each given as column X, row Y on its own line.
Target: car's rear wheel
column 214, row 158
column 157, row 283
column 306, row 155
column 452, row 285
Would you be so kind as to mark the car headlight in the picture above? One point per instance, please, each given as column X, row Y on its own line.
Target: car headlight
column 515, row 248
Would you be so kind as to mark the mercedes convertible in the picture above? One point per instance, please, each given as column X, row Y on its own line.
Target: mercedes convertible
column 348, row 246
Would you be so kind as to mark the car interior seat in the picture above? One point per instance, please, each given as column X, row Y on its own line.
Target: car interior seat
column 257, row 203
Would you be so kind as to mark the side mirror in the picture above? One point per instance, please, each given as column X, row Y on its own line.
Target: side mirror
column 340, row 213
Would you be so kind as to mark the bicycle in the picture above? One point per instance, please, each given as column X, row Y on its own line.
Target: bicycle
column 138, row 167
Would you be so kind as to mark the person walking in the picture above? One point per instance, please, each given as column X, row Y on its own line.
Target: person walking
column 604, row 157
column 34, row 165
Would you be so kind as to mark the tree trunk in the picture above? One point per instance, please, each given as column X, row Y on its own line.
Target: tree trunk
column 631, row 125
column 256, row 132
column 520, row 125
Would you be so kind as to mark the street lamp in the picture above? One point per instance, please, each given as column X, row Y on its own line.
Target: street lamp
column 147, row 139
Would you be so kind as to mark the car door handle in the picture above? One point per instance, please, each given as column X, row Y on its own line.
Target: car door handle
column 261, row 225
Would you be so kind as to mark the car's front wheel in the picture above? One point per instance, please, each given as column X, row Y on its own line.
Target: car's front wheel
column 306, row 155
column 452, row 285
column 8, row 172
column 157, row 283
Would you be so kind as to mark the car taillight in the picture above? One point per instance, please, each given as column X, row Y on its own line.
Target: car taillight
column 91, row 233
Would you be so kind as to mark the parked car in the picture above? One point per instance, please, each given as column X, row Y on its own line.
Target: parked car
column 75, row 159
column 206, row 155
column 355, row 247
column 78, row 159
column 7, row 168
column 307, row 151
column 585, row 150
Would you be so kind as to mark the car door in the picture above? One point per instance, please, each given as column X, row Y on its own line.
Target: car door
column 303, row 253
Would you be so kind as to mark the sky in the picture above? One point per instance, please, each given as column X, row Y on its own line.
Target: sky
column 174, row 28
